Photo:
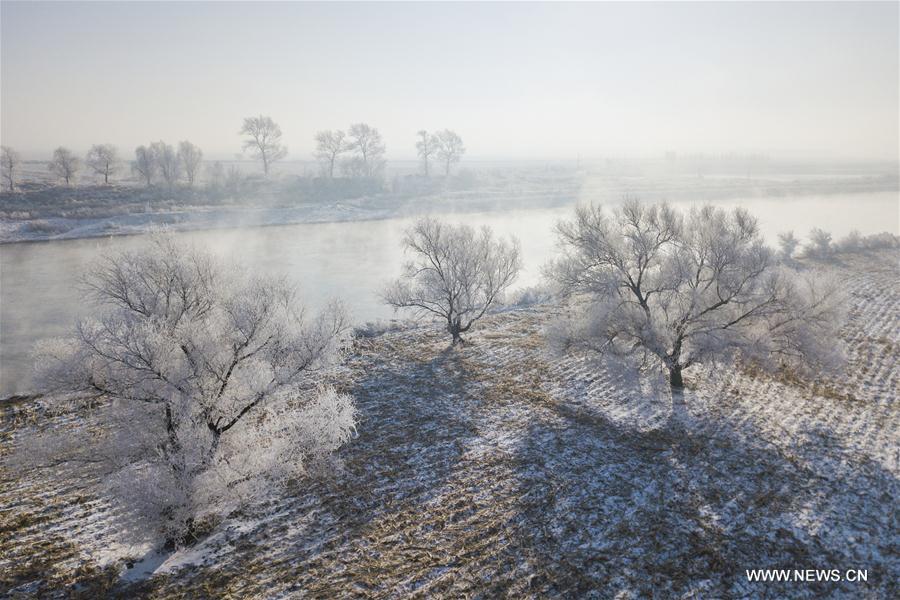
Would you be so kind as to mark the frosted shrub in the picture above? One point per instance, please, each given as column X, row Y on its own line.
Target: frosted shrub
column 787, row 244
column 374, row 329
column 531, row 296
column 213, row 383
column 854, row 242
column 851, row 243
column 878, row 241
column 819, row 244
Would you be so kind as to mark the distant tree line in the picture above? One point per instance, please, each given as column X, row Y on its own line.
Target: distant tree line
column 358, row 152
column 162, row 163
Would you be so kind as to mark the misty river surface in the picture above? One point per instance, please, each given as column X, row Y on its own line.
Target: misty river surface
column 40, row 296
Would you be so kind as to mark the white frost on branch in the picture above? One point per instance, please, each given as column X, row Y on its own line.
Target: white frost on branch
column 214, row 382
column 679, row 289
column 456, row 273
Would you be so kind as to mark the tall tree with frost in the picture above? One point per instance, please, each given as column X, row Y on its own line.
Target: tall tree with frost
column 456, row 273
column 144, row 164
column 329, row 146
column 425, row 149
column 64, row 164
column 368, row 146
column 190, row 158
column 449, row 148
column 167, row 164
column 213, row 382
column 103, row 159
column 685, row 289
column 9, row 164
column 263, row 140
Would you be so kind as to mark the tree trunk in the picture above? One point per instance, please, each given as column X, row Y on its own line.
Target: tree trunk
column 679, row 416
column 675, row 379
column 455, row 331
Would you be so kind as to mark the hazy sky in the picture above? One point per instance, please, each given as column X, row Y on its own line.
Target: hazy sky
column 515, row 80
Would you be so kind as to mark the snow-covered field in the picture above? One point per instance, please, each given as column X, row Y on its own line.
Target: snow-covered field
column 495, row 469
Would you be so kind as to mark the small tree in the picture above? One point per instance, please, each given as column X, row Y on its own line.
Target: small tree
column 144, row 164
column 820, row 245
column 167, row 164
column 787, row 244
column 366, row 142
column 233, row 180
column 688, row 290
column 215, row 176
column 456, row 274
column 426, row 148
column 64, row 164
column 190, row 157
column 213, row 382
column 103, row 159
column 449, row 148
column 264, row 140
column 329, row 145
column 9, row 165
column 852, row 242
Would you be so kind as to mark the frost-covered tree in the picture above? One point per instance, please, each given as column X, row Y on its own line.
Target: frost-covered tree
column 425, row 149
column 167, row 164
column 456, row 273
column 820, row 245
column 234, row 179
column 679, row 290
column 263, row 140
column 852, row 242
column 64, row 164
column 103, row 159
column 787, row 244
column 9, row 165
column 368, row 148
column 329, row 146
column 449, row 148
column 215, row 175
column 144, row 164
column 190, row 158
column 213, row 382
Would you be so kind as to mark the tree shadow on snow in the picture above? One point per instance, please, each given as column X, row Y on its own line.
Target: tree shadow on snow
column 675, row 511
column 345, row 530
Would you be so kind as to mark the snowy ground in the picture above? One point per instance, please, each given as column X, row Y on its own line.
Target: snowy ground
column 497, row 470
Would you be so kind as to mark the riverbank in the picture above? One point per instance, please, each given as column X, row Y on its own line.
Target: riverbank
column 101, row 211
column 496, row 469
